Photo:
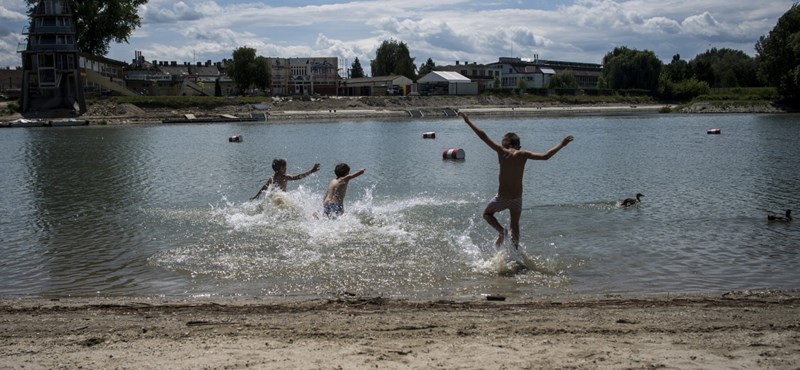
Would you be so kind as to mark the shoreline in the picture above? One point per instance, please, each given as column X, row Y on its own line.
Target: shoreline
column 733, row 330
column 282, row 110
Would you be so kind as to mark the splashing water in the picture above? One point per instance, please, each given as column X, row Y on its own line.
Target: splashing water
column 404, row 247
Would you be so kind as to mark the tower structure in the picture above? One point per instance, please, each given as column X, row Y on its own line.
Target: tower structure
column 51, row 79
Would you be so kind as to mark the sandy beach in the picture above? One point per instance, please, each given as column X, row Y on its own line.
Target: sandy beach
column 740, row 330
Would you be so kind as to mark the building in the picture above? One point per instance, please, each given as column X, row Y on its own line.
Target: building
column 159, row 78
column 51, row 80
column 376, row 86
column 305, row 76
column 484, row 75
column 536, row 73
column 102, row 76
column 446, row 83
column 10, row 82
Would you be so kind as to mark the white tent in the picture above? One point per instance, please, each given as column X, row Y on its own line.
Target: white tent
column 452, row 83
column 441, row 76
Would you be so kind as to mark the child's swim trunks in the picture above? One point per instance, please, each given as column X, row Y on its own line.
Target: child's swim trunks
column 334, row 209
column 498, row 204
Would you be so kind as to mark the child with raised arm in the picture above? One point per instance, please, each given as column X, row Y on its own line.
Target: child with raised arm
column 280, row 179
column 512, row 168
column 333, row 204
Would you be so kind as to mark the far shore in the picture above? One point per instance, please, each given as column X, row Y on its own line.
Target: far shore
column 107, row 113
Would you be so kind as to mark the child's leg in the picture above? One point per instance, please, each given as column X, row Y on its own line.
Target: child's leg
column 515, row 214
column 488, row 215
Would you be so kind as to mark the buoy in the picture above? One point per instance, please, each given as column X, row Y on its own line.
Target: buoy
column 453, row 153
column 429, row 135
column 714, row 131
column 235, row 139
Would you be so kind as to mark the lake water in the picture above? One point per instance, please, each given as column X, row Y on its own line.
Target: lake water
column 165, row 209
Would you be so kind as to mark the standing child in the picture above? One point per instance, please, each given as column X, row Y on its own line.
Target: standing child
column 280, row 178
column 512, row 168
column 333, row 204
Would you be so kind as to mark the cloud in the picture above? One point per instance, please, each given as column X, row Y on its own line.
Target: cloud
column 170, row 12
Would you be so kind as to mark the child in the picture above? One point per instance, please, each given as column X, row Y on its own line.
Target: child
column 280, row 178
column 333, row 204
column 512, row 168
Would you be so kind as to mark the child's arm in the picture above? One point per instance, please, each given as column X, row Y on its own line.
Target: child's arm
column 263, row 188
column 304, row 174
column 481, row 134
column 546, row 155
column 353, row 175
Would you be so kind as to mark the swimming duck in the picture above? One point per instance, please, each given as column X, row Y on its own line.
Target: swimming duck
column 786, row 218
column 630, row 201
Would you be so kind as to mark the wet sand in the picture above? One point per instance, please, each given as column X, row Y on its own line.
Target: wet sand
column 744, row 330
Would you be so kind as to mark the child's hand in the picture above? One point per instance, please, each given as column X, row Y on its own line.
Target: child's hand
column 315, row 168
column 567, row 139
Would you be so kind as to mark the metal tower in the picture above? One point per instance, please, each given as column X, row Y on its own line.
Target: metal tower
column 51, row 79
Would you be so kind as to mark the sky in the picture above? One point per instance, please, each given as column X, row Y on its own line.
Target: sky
column 445, row 31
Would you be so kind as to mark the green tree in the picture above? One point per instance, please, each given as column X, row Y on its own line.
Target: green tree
column 99, row 22
column 262, row 78
column 356, row 71
column 625, row 68
column 426, row 67
column 778, row 56
column 522, row 85
column 243, row 68
column 678, row 69
column 684, row 90
column 563, row 80
column 393, row 58
column 725, row 68
column 217, row 88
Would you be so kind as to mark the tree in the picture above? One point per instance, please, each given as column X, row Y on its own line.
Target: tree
column 356, row 71
column 778, row 56
column 626, row 68
column 426, row 67
column 243, row 68
column 563, row 80
column 678, row 69
column 217, row 88
column 522, row 85
column 99, row 22
column 393, row 58
column 262, row 74
column 725, row 68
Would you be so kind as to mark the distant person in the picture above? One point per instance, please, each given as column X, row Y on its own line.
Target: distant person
column 280, row 179
column 333, row 204
column 512, row 168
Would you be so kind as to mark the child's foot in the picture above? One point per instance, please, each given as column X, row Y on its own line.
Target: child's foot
column 501, row 237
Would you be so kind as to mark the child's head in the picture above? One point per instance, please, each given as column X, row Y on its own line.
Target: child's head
column 511, row 141
column 342, row 169
column 278, row 164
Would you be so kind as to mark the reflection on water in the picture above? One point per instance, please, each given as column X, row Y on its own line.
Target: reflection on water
column 165, row 209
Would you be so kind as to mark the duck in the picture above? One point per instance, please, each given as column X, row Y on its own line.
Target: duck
column 631, row 202
column 786, row 218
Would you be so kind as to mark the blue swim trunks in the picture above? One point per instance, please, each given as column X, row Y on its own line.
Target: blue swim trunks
column 333, row 210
